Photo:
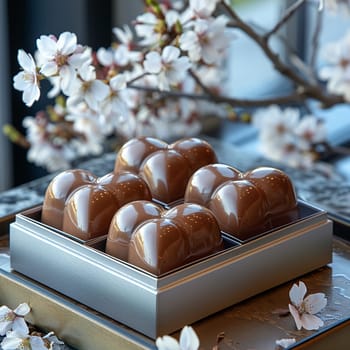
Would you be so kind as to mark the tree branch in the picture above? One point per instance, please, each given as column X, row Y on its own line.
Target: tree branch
column 287, row 15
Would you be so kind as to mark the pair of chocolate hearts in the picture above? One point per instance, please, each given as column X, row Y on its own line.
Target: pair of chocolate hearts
column 81, row 204
column 159, row 240
column 245, row 204
column 165, row 168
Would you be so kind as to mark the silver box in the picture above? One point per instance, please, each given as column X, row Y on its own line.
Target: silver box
column 161, row 305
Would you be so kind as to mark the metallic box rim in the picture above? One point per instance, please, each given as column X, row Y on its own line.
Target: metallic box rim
column 156, row 306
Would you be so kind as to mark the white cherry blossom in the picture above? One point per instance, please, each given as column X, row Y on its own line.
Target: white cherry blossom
column 336, row 70
column 286, row 342
column 169, row 66
column 88, row 88
column 22, row 341
column 203, row 8
column 13, row 319
column 188, row 341
column 27, row 80
column 310, row 130
column 55, row 53
column 207, row 41
column 146, row 28
column 304, row 309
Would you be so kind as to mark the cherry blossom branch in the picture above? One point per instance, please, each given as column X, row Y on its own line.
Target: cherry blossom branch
column 288, row 14
column 303, row 88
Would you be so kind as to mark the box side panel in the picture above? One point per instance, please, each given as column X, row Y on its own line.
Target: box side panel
column 83, row 280
column 203, row 294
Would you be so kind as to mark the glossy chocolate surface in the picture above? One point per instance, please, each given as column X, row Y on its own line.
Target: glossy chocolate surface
column 133, row 153
column 126, row 187
column 200, row 226
column 89, row 211
column 197, row 152
column 123, row 224
column 158, row 240
column 166, row 174
column 158, row 246
column 240, row 208
column 60, row 187
column 277, row 186
column 205, row 180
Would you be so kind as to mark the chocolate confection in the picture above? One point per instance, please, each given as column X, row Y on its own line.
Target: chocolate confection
column 165, row 168
column 157, row 240
column 245, row 204
column 133, row 153
column 124, row 222
column 58, row 191
column 83, row 205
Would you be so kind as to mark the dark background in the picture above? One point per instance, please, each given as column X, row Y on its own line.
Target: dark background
column 90, row 20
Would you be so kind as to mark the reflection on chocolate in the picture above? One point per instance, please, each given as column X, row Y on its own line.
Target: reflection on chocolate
column 197, row 152
column 126, row 187
column 123, row 224
column 60, row 187
column 240, row 208
column 166, row 174
column 200, row 226
column 277, row 186
column 158, row 246
column 205, row 180
column 133, row 153
column 89, row 211
column 245, row 204
column 157, row 240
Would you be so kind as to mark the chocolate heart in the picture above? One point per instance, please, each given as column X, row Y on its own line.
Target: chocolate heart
column 240, row 208
column 200, row 226
column 158, row 246
column 279, row 192
column 123, row 224
column 89, row 211
column 205, row 180
column 57, row 192
column 166, row 173
column 133, row 153
column 126, row 187
column 197, row 152
column 157, row 240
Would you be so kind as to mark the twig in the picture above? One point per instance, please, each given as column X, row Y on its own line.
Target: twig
column 303, row 88
column 287, row 15
column 316, row 38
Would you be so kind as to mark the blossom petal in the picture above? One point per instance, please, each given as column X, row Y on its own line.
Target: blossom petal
column 20, row 326
column 285, row 342
column 49, row 68
column 5, row 326
column 22, row 309
column 67, row 43
column 294, row 312
column 297, row 293
column 170, row 53
column 189, row 339
column 311, row 322
column 314, row 303
column 31, row 94
column 37, row 343
column 26, row 61
column 152, row 63
column 47, row 46
column 4, row 310
column 167, row 343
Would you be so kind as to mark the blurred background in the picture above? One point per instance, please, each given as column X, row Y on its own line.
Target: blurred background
column 250, row 74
